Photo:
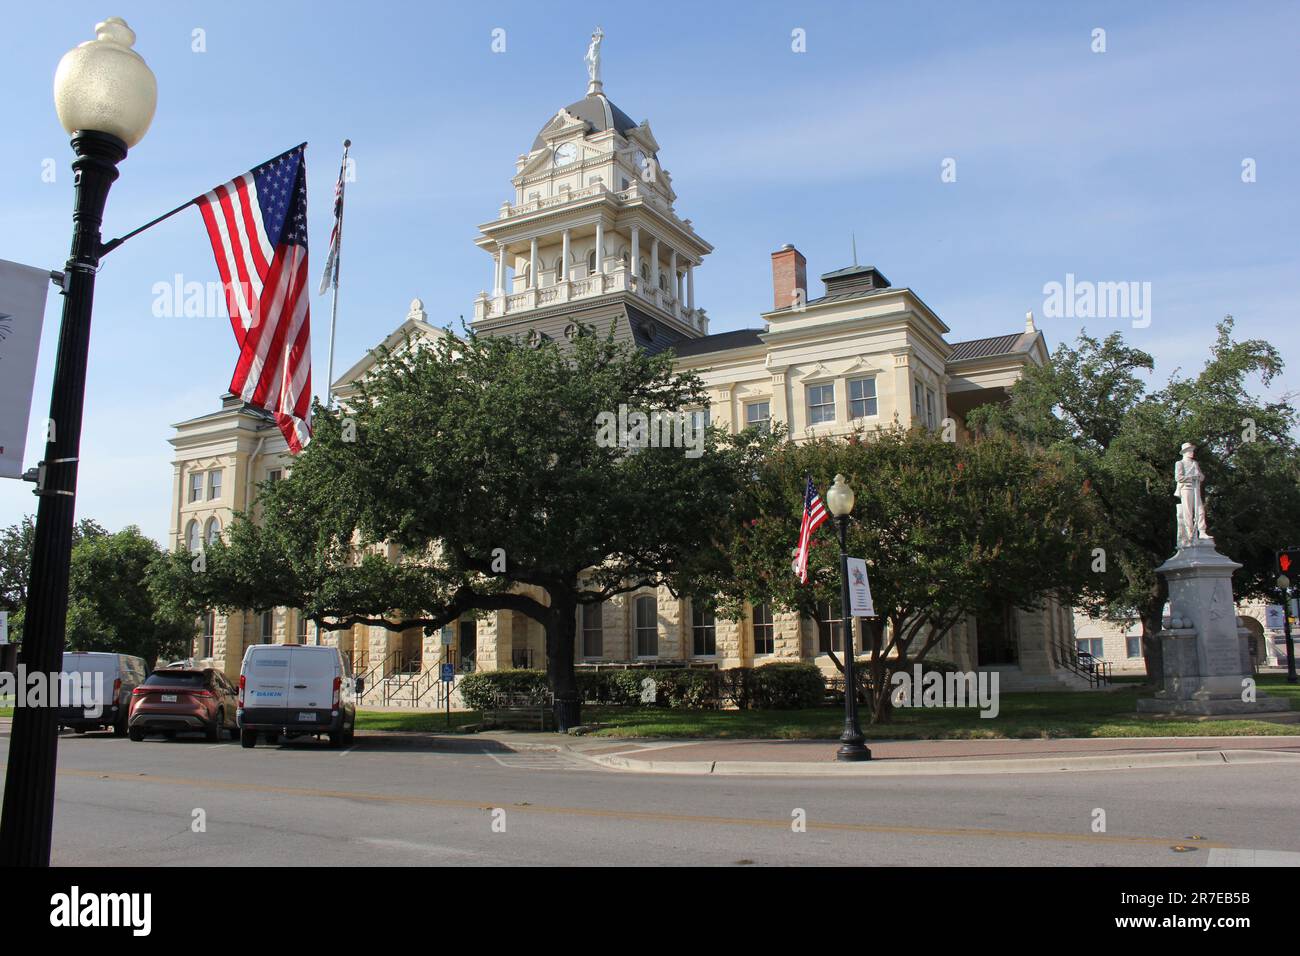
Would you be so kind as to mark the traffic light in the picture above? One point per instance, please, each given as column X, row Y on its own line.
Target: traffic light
column 1288, row 562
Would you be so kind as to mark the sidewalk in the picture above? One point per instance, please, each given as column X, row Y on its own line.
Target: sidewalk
column 918, row 757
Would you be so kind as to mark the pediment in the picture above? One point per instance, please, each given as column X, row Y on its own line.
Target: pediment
column 561, row 123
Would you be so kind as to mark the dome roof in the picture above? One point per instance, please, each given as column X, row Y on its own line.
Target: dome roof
column 596, row 111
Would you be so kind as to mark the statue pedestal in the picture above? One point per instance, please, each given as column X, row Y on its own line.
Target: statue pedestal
column 1206, row 655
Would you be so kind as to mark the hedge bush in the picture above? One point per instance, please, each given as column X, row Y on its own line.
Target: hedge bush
column 480, row 689
column 775, row 686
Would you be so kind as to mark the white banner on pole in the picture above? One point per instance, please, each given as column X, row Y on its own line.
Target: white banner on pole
column 22, row 313
column 1273, row 617
column 860, row 603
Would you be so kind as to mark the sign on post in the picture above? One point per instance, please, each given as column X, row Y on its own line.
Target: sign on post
column 1273, row 617
column 447, row 672
column 860, row 603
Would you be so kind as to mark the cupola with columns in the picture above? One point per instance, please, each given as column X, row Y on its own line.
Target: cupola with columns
column 591, row 234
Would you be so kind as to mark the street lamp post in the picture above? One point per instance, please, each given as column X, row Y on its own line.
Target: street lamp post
column 839, row 499
column 1284, row 585
column 105, row 96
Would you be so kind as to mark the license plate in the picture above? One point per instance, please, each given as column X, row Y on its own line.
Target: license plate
column 306, row 715
column 168, row 698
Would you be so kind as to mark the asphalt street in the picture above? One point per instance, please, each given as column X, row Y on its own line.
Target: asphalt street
column 466, row 801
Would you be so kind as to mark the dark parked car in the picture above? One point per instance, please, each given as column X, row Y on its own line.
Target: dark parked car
column 174, row 700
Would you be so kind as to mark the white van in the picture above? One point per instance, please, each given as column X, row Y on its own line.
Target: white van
column 101, row 684
column 296, row 690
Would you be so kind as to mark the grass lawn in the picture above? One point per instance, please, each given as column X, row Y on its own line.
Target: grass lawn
column 1051, row 714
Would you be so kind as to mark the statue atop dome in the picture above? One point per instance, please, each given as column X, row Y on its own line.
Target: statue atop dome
column 592, row 59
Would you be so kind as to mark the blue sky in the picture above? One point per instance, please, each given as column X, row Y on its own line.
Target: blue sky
column 1116, row 166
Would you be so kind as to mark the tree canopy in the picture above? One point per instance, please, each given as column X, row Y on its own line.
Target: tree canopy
column 947, row 530
column 466, row 474
column 1091, row 402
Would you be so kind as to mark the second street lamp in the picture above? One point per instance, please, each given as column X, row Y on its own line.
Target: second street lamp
column 839, row 499
column 105, row 97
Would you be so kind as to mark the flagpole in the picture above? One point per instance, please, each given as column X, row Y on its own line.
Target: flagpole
column 334, row 295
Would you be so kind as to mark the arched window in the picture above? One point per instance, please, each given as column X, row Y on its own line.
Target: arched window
column 663, row 281
column 212, row 531
column 528, row 277
column 645, row 272
column 627, row 259
column 192, row 540
column 559, row 270
column 591, row 262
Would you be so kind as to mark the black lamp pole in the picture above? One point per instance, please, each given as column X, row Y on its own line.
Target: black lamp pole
column 27, row 823
column 852, row 746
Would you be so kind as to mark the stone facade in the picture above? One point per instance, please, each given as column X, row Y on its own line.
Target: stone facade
column 592, row 234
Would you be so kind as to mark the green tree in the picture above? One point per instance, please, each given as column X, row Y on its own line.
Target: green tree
column 466, row 475
column 16, row 543
column 1091, row 403
column 111, row 606
column 946, row 530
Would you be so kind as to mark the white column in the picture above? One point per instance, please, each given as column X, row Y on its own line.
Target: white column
column 636, row 255
column 654, row 264
column 532, row 264
column 499, row 277
column 564, row 259
column 600, row 247
column 676, row 285
column 690, row 286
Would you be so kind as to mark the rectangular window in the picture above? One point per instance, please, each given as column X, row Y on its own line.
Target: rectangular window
column 764, row 636
column 268, row 627
column 830, row 628
column 1090, row 645
column 214, row 485
column 758, row 415
column 1133, row 646
column 209, row 632
column 274, row 475
column 593, row 630
column 302, row 628
column 704, row 632
column 468, row 646
column 821, row 403
column 196, row 486
column 862, row 398
column 929, row 407
column 918, row 402
column 699, row 419
column 647, row 627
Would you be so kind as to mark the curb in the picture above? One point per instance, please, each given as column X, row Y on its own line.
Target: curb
column 908, row 767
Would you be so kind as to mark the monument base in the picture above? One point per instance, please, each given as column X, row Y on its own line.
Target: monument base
column 1213, row 707
column 1207, row 668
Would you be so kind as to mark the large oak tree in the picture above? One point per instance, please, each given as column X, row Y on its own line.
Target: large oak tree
column 467, row 475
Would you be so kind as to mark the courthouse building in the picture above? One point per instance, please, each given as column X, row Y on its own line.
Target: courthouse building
column 592, row 234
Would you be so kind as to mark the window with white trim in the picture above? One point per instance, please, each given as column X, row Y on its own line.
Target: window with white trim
column 196, row 486
column 212, row 531
column 821, row 403
column 214, row 484
column 758, row 415
column 704, row 631
column 193, row 537
column 830, row 629
column 862, row 397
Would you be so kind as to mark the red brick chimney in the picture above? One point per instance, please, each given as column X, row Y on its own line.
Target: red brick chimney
column 789, row 272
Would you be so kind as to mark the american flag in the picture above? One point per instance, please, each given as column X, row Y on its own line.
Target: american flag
column 814, row 514
column 257, row 223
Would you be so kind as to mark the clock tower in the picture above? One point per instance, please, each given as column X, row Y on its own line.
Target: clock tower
column 591, row 234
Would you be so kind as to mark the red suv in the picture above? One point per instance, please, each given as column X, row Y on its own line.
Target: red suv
column 175, row 700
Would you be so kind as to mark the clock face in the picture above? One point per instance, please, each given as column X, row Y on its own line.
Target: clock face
column 565, row 154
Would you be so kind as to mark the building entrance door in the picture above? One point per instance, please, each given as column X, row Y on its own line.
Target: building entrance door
column 997, row 637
